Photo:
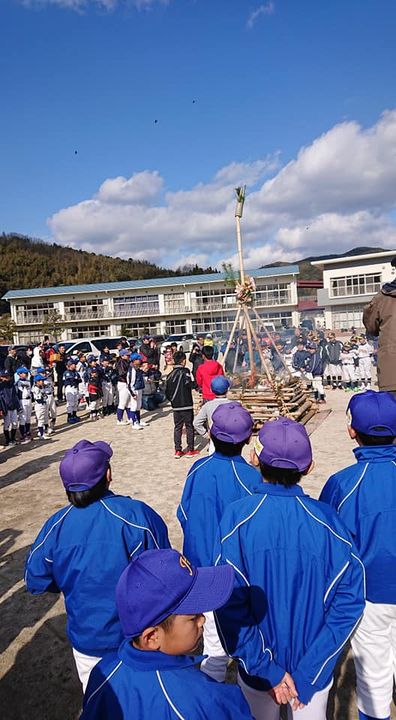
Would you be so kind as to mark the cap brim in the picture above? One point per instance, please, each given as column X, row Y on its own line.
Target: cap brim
column 211, row 589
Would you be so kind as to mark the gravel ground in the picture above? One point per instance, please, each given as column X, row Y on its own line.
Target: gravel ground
column 37, row 675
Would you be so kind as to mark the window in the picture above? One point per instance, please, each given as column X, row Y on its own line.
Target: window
column 355, row 285
column 33, row 313
column 344, row 317
column 274, row 294
column 136, row 329
column 84, row 309
column 176, row 327
column 88, row 331
column 209, row 324
column 174, row 303
column 136, row 305
column 279, row 319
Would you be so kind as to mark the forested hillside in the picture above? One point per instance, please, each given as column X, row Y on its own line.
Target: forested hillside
column 28, row 263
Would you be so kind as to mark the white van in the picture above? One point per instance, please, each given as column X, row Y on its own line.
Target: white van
column 91, row 346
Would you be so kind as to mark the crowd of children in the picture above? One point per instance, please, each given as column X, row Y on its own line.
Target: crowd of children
column 269, row 576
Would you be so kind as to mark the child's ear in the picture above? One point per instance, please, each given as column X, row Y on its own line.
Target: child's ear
column 150, row 639
column 311, row 467
column 254, row 459
column 352, row 433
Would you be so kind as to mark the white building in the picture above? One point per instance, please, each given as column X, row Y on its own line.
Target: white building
column 188, row 304
column 349, row 283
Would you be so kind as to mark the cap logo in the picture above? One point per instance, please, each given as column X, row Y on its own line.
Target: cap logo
column 184, row 563
column 258, row 446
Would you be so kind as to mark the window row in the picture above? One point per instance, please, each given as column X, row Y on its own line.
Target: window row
column 355, row 285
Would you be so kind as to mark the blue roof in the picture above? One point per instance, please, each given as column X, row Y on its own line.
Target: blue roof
column 142, row 284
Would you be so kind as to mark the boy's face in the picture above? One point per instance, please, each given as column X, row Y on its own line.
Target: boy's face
column 22, row 376
column 184, row 635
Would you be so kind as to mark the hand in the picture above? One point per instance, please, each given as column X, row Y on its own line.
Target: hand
column 284, row 691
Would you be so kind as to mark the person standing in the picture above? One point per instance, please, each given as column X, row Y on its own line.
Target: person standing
column 379, row 318
column 206, row 372
column 60, row 368
column 178, row 391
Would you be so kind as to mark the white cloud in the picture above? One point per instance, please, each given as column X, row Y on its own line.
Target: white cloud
column 265, row 9
column 82, row 5
column 339, row 193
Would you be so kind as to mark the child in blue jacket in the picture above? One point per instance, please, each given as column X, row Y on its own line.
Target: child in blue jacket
column 82, row 550
column 160, row 600
column 212, row 484
column 364, row 496
column 298, row 592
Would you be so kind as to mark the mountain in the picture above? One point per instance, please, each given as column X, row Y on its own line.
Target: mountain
column 29, row 263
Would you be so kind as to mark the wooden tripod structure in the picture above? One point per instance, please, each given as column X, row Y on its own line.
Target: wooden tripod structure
column 285, row 396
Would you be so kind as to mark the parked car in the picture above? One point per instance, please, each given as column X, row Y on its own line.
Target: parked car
column 184, row 340
column 93, row 345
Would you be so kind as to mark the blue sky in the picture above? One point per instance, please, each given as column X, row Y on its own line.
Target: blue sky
column 238, row 90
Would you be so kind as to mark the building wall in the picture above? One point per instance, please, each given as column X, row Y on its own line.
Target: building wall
column 348, row 286
column 175, row 309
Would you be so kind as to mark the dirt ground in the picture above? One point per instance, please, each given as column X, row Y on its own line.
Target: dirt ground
column 37, row 675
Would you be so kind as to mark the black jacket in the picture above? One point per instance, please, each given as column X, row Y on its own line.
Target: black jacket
column 178, row 388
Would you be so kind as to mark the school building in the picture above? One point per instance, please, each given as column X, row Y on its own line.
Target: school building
column 188, row 304
column 349, row 283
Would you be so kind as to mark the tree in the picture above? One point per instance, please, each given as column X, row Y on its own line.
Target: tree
column 7, row 328
column 53, row 324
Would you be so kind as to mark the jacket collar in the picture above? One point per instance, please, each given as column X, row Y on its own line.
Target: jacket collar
column 149, row 661
column 234, row 458
column 268, row 488
column 379, row 453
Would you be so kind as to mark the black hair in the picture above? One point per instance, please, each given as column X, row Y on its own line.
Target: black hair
column 207, row 351
column 83, row 498
column 227, row 448
column 375, row 439
column 280, row 476
column 179, row 356
column 166, row 625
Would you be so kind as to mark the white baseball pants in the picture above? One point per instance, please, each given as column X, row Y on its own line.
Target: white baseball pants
column 52, row 407
column 136, row 402
column 124, row 396
column 41, row 412
column 215, row 665
column 349, row 372
column 71, row 395
column 374, row 651
column 263, row 707
column 11, row 420
column 334, row 370
column 365, row 368
column 317, row 384
column 84, row 665
column 26, row 412
column 107, row 388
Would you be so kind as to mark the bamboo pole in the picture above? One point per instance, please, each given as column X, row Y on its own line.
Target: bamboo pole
column 261, row 354
column 250, row 344
column 272, row 342
column 232, row 334
column 236, row 346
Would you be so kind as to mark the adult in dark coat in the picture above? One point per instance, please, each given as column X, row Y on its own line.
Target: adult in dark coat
column 379, row 319
column 60, row 366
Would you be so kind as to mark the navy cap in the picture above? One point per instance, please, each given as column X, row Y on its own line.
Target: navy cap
column 220, row 385
column 5, row 373
column 284, row 443
column 160, row 583
column 373, row 413
column 231, row 423
column 85, row 464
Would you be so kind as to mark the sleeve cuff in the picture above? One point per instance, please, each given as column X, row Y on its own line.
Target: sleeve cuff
column 305, row 689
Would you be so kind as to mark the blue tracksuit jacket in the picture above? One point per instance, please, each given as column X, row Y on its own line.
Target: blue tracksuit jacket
column 212, row 484
column 299, row 588
column 82, row 553
column 151, row 685
column 364, row 496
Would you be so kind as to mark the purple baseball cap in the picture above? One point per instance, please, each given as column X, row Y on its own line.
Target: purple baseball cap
column 160, row 583
column 284, row 443
column 373, row 413
column 85, row 464
column 124, row 352
column 220, row 385
column 231, row 423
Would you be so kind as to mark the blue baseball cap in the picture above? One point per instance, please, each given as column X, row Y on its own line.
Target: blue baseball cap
column 373, row 413
column 22, row 370
column 39, row 376
column 85, row 464
column 231, row 423
column 124, row 352
column 136, row 356
column 284, row 443
column 160, row 583
column 220, row 385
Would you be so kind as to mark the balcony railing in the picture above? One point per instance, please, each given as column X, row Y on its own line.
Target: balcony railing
column 87, row 314
column 136, row 310
column 26, row 318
